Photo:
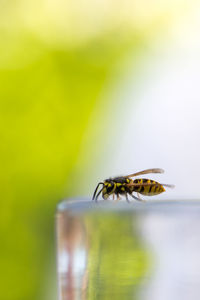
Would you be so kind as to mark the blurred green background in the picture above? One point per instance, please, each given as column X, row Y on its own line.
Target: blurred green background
column 58, row 60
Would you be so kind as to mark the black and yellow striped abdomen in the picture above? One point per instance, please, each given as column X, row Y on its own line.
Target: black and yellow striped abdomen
column 154, row 188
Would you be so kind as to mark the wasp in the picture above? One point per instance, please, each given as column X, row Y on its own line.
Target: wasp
column 124, row 185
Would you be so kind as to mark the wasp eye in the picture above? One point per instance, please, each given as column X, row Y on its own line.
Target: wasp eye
column 110, row 187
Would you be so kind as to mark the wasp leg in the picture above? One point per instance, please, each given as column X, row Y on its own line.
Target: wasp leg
column 118, row 198
column 140, row 197
column 136, row 198
column 127, row 198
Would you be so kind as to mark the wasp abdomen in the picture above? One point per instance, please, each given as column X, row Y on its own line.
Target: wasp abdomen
column 154, row 188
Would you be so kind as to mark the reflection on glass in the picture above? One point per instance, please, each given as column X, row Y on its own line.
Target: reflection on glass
column 100, row 255
column 118, row 259
column 71, row 258
column 129, row 251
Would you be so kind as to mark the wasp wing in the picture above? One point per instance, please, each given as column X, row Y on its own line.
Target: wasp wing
column 171, row 186
column 151, row 184
column 157, row 170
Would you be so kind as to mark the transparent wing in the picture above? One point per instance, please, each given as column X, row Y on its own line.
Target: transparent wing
column 171, row 186
column 146, row 172
column 151, row 184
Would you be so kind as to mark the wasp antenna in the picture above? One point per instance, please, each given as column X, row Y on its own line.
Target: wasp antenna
column 96, row 190
column 99, row 193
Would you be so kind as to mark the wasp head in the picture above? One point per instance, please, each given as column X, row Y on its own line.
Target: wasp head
column 108, row 188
